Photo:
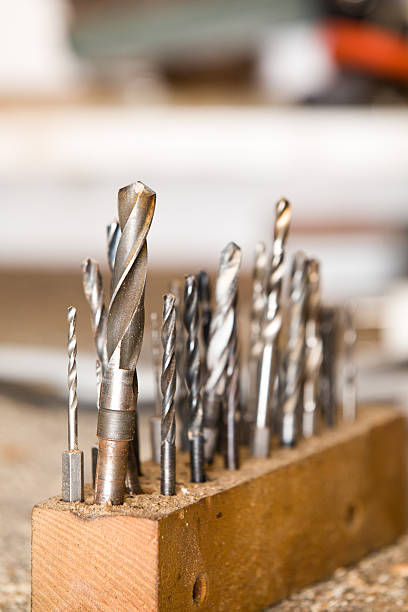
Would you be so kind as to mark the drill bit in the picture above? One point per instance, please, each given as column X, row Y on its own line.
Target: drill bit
column 221, row 338
column 113, row 237
column 294, row 358
column 125, row 324
column 255, row 342
column 349, row 391
column 72, row 459
column 314, row 352
column 93, row 290
column 195, row 431
column 232, row 401
column 204, row 295
column 270, row 333
column 327, row 383
column 168, row 387
column 155, row 420
column 182, row 409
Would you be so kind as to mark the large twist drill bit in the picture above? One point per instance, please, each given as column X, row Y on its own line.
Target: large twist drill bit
column 270, row 334
column 181, row 392
column 314, row 352
column 195, row 431
column 231, row 457
column 125, row 325
column 221, row 338
column 72, row 459
column 168, row 387
column 293, row 363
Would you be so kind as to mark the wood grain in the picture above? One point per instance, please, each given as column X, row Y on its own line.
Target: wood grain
column 239, row 542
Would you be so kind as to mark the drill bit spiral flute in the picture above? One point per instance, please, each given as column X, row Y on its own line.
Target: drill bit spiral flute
column 219, row 347
column 168, row 387
column 125, row 323
column 270, row 333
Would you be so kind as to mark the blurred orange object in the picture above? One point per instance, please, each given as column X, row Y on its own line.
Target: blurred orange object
column 368, row 48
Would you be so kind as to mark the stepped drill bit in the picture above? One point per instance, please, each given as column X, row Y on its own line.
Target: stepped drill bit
column 270, row 333
column 125, row 324
column 314, row 352
column 155, row 420
column 113, row 237
column 255, row 341
column 231, row 457
column 221, row 338
column 349, row 391
column 168, row 387
column 195, row 431
column 327, row 384
column 182, row 409
column 72, row 459
column 295, row 351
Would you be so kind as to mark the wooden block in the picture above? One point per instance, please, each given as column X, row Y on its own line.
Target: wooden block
column 241, row 541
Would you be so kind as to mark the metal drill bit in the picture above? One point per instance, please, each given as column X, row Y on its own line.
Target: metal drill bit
column 255, row 341
column 72, row 459
column 93, row 290
column 270, row 333
column 293, row 363
column 125, row 324
column 195, row 431
column 155, row 420
column 231, row 457
column 204, row 295
column 327, row 384
column 182, row 408
column 113, row 237
column 221, row 338
column 168, row 387
column 313, row 360
column 349, row 390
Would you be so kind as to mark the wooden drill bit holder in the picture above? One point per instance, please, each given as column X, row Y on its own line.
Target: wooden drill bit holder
column 240, row 541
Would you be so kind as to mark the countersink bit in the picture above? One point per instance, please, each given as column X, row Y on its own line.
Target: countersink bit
column 255, row 340
column 113, row 237
column 293, row 361
column 182, row 408
column 219, row 347
column 349, row 387
column 231, row 457
column 195, row 430
column 155, row 420
column 72, row 459
column 314, row 352
column 168, row 387
column 327, row 384
column 272, row 323
column 125, row 324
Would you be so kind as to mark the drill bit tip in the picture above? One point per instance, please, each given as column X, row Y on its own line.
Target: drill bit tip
column 282, row 219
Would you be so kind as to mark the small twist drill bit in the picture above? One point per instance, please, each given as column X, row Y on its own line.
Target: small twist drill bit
column 328, row 318
column 204, row 294
column 314, row 352
column 125, row 324
column 221, row 337
column 168, row 387
column 182, row 408
column 72, row 459
column 349, row 391
column 294, row 359
column 255, row 341
column 155, row 420
column 231, row 457
column 270, row 333
column 113, row 237
column 93, row 290
column 195, row 431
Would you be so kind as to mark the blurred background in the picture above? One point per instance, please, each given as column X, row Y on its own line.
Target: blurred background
column 222, row 107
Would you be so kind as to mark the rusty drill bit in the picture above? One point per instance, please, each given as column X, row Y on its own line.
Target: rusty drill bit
column 295, row 351
column 155, row 420
column 181, row 389
column 168, row 387
column 221, row 337
column 231, row 457
column 125, row 325
column 349, row 391
column 314, row 352
column 270, row 333
column 72, row 459
column 255, row 341
column 195, row 431
column 113, row 237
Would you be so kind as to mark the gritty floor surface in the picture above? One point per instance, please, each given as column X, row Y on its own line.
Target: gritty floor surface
column 31, row 440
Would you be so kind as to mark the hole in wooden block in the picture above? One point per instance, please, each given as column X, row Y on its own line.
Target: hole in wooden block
column 200, row 589
column 353, row 515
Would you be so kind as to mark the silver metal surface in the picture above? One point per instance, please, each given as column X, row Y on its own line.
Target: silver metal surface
column 221, row 337
column 93, row 289
column 72, row 476
column 155, row 421
column 327, row 383
column 125, row 325
column 293, row 360
column 349, row 386
column 232, row 416
column 193, row 371
column 182, row 409
column 271, row 329
column 113, row 237
column 168, row 387
column 314, row 353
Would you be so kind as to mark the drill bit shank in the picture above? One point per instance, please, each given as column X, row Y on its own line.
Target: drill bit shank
column 168, row 387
